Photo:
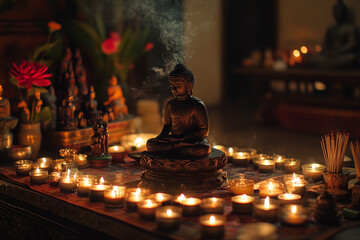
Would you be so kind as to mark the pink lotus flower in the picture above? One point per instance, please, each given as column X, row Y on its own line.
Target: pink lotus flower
column 149, row 46
column 28, row 74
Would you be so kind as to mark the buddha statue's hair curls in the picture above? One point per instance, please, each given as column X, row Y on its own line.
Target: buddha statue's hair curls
column 181, row 72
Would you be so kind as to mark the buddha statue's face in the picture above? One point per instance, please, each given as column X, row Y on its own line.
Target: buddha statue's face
column 113, row 81
column 180, row 89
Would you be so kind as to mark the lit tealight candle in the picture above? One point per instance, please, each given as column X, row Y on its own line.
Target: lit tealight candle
column 313, row 171
column 212, row 226
column 212, row 205
column 83, row 186
column 163, row 198
column 44, row 163
column 96, row 192
column 147, row 208
column 118, row 153
column 294, row 215
column 38, row 176
column 81, row 160
column 54, row 178
column 191, row 206
column 241, row 159
column 290, row 177
column 266, row 209
column 179, row 199
column 271, row 188
column 242, row 203
column 266, row 166
column 289, row 198
column 292, row 165
column 296, row 186
column 114, row 197
column 168, row 217
column 67, row 182
column 279, row 162
column 258, row 157
column 133, row 196
column 23, row 167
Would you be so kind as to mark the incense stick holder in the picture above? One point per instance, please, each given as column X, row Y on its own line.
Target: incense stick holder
column 336, row 183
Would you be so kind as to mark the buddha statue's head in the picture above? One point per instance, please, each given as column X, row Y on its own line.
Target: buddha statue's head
column 340, row 11
column 181, row 82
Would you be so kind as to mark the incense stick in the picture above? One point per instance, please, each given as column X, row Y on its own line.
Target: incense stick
column 334, row 150
column 355, row 149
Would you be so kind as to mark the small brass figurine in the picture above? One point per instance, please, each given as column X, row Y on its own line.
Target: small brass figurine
column 100, row 139
column 68, row 120
column 186, row 126
column 116, row 100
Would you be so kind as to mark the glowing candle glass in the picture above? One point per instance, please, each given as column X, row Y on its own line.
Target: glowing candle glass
column 241, row 186
column 293, row 215
column 96, row 191
column 296, row 186
column 179, row 199
column 163, row 198
column 289, row 177
column 81, row 160
column 168, row 217
column 279, row 162
column 59, row 165
column 44, row 163
column 133, row 196
column 242, row 203
column 147, row 208
column 266, row 166
column 23, row 167
column 191, row 206
column 38, row 176
column 114, row 197
column 212, row 205
column 136, row 142
column 289, row 198
column 241, row 159
column 292, row 165
column 266, row 209
column 117, row 153
column 54, row 178
column 84, row 184
column 68, row 182
column 271, row 189
column 256, row 158
column 313, row 171
column 212, row 225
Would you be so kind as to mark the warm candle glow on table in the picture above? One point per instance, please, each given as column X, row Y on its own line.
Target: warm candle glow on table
column 38, row 176
column 313, row 171
column 191, row 206
column 114, row 197
column 179, row 199
column 242, row 203
column 279, row 162
column 212, row 205
column 136, row 141
column 296, row 185
column 23, row 167
column 292, row 165
column 241, row 186
column 83, row 186
column 168, row 217
column 293, row 215
column 133, row 196
column 96, row 191
column 270, row 188
column 289, row 198
column 68, row 182
column 163, row 198
column 118, row 153
column 147, row 209
column 266, row 166
column 241, row 159
column 266, row 209
column 212, row 225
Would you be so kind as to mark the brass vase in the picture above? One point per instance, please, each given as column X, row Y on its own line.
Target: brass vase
column 30, row 135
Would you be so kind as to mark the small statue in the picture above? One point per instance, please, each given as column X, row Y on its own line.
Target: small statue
column 68, row 120
column 4, row 105
column 116, row 99
column 341, row 45
column 66, row 63
column 185, row 119
column 92, row 114
column 81, row 78
column 73, row 89
column 99, row 141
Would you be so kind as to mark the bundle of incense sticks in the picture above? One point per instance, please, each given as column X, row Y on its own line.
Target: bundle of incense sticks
column 333, row 148
column 355, row 149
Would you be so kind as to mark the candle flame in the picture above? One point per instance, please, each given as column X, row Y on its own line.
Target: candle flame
column 231, row 150
column 37, row 170
column 191, row 201
column 315, row 165
column 181, row 197
column 214, row 199
column 113, row 193
column 296, row 180
column 159, row 197
column 241, row 154
column 279, row 158
column 68, row 174
column 294, row 209
column 138, row 190
column 267, row 202
column 148, row 202
column 243, row 197
column 139, row 141
column 169, row 212
column 102, row 180
column 116, row 148
column 86, row 181
column 212, row 219
column 271, row 186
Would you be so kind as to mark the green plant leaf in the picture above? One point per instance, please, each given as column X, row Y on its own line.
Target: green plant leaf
column 13, row 81
column 43, row 48
column 99, row 26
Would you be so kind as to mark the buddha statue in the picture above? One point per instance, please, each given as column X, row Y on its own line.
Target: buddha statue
column 99, row 141
column 186, row 125
column 91, row 112
column 341, row 45
column 116, row 100
column 68, row 120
